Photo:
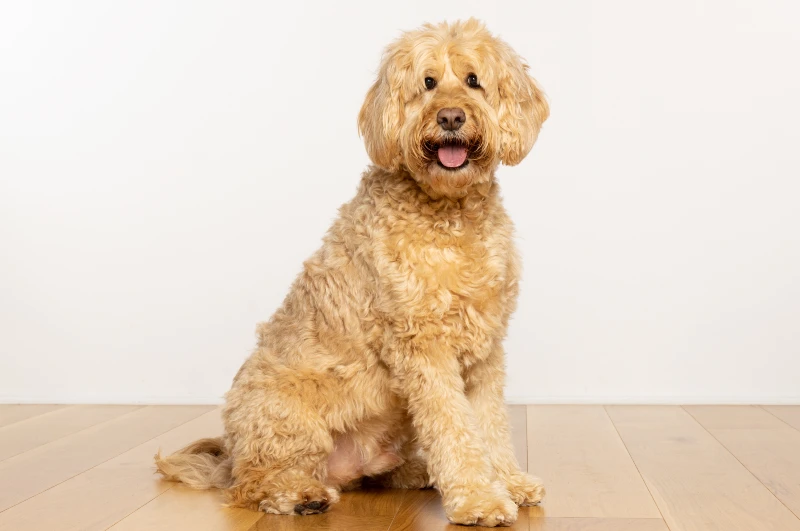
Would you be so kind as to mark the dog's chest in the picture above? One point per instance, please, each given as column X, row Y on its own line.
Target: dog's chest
column 457, row 282
column 465, row 274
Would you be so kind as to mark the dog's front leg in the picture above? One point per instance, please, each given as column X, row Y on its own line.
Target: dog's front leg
column 484, row 388
column 430, row 379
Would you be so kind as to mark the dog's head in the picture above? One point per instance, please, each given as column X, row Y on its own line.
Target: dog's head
column 451, row 102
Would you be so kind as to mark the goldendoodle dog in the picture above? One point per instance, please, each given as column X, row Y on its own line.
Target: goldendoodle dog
column 385, row 362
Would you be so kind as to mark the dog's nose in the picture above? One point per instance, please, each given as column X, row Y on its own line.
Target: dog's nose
column 451, row 118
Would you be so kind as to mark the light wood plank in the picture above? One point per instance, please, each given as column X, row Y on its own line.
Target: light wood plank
column 182, row 508
column 383, row 502
column 733, row 417
column 422, row 510
column 585, row 467
column 789, row 414
column 96, row 499
column 330, row 521
column 11, row 413
column 771, row 454
column 598, row 524
column 696, row 482
column 518, row 421
column 367, row 510
column 30, row 473
column 42, row 429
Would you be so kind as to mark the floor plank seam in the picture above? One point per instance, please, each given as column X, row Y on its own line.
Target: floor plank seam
column 777, row 417
column 397, row 511
column 145, row 504
column 103, row 462
column 738, row 461
column 59, row 408
column 254, row 526
column 66, row 434
column 172, row 484
column 605, row 410
column 40, row 415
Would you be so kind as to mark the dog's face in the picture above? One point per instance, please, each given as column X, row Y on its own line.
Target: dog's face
column 450, row 103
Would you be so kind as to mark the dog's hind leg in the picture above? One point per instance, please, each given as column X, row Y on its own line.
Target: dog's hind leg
column 279, row 445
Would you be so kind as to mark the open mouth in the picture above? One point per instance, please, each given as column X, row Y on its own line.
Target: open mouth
column 450, row 155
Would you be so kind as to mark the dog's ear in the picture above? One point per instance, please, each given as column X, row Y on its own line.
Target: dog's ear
column 522, row 109
column 381, row 116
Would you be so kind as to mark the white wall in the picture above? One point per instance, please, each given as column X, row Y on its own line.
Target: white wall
column 165, row 168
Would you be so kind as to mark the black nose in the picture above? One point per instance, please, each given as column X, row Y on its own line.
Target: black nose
column 451, row 119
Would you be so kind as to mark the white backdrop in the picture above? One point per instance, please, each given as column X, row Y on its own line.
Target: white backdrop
column 166, row 166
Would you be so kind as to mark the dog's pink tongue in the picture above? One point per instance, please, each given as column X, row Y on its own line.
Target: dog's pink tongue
column 452, row 156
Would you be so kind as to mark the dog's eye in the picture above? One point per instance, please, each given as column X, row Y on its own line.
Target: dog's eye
column 430, row 83
column 472, row 81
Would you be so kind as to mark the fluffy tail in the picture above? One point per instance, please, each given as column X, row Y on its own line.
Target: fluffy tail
column 204, row 464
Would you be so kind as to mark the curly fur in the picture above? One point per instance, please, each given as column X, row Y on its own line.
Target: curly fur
column 385, row 360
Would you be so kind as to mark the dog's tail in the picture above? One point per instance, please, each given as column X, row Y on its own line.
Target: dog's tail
column 204, row 464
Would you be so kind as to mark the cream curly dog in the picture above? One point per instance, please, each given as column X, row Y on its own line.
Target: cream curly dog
column 385, row 361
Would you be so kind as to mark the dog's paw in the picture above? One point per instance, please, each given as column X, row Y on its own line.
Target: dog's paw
column 525, row 489
column 488, row 506
column 312, row 499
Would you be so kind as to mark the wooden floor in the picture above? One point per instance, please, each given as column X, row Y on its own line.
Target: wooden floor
column 615, row 468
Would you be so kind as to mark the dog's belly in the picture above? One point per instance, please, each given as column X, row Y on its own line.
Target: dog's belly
column 368, row 421
column 352, row 459
column 372, row 447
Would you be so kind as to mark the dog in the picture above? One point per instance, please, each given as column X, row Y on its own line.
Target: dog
column 385, row 362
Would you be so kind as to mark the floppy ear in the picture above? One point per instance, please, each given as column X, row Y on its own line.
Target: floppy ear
column 522, row 110
column 381, row 115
